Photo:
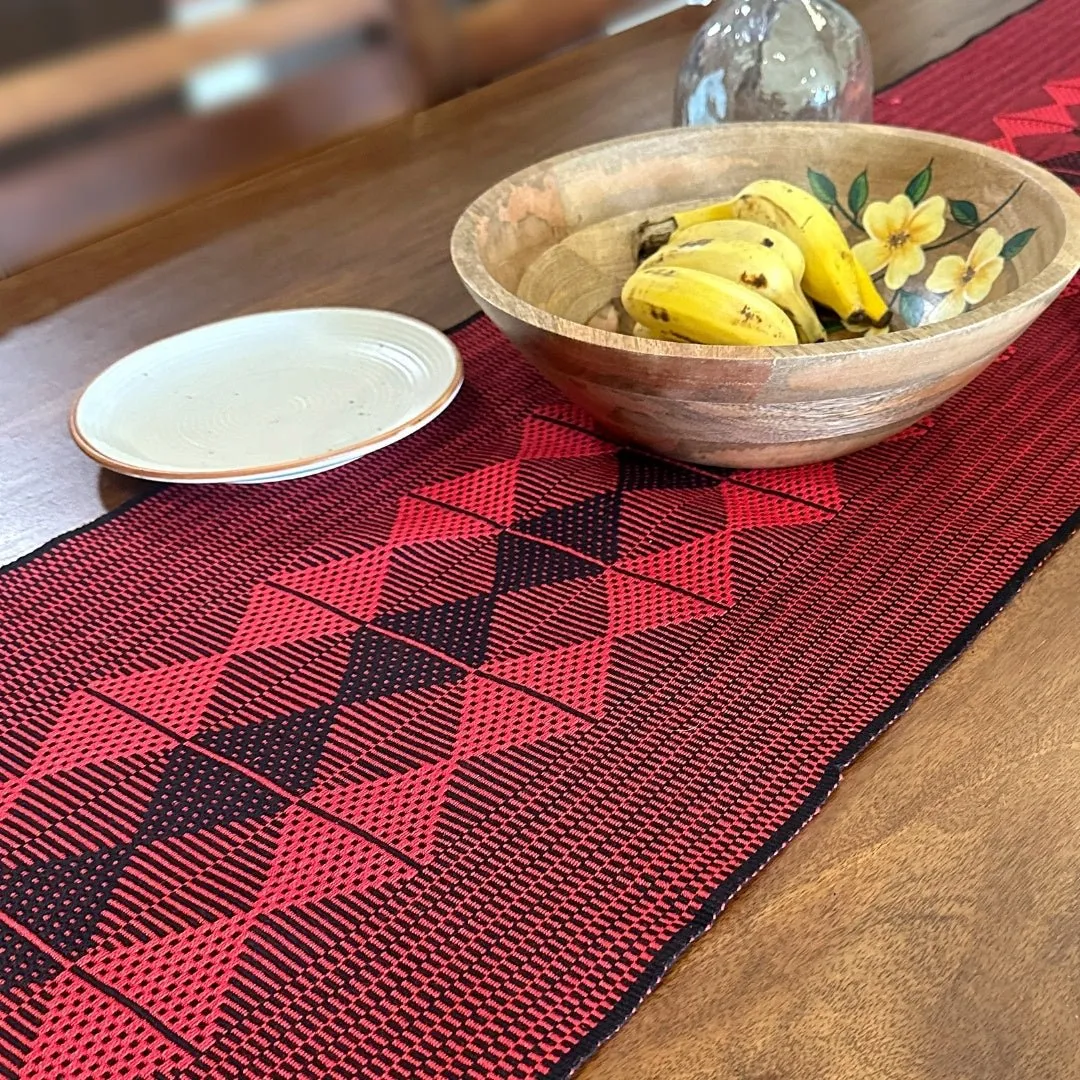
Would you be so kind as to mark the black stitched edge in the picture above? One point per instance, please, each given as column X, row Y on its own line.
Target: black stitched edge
column 721, row 896
column 718, row 900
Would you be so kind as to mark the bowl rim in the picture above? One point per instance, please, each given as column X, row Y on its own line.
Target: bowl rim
column 465, row 255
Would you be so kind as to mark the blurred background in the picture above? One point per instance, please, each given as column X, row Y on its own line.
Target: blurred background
column 109, row 108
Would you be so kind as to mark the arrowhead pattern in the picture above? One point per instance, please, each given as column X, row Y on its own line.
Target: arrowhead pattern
column 1060, row 118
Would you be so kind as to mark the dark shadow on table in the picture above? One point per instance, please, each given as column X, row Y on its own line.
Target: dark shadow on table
column 114, row 489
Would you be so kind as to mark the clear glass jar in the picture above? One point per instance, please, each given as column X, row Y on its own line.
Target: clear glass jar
column 776, row 60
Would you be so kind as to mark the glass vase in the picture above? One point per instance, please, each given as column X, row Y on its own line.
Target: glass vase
column 776, row 60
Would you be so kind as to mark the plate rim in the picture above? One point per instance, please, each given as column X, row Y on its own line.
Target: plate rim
column 372, row 443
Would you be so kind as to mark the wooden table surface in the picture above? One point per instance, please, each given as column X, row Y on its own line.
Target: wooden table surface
column 926, row 925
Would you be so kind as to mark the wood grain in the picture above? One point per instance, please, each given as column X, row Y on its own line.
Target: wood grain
column 87, row 193
column 925, row 30
column 501, row 36
column 925, row 925
column 45, row 205
column 32, row 31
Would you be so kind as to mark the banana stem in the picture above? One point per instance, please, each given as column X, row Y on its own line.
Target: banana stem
column 653, row 235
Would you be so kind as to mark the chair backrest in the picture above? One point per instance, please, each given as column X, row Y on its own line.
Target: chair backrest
column 497, row 37
column 96, row 135
column 73, row 87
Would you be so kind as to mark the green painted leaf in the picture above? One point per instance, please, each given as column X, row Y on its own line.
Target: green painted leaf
column 858, row 194
column 1015, row 244
column 822, row 187
column 963, row 212
column 911, row 307
column 919, row 184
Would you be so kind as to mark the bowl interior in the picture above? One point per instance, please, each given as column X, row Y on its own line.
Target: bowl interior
column 560, row 235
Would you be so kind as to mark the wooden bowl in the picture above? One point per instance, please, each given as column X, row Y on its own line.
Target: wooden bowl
column 545, row 251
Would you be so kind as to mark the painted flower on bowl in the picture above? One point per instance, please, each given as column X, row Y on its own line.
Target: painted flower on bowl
column 898, row 230
column 966, row 281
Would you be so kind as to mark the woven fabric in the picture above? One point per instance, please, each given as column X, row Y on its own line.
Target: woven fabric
column 428, row 767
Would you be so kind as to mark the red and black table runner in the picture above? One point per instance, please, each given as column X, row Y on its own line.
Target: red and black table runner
column 429, row 767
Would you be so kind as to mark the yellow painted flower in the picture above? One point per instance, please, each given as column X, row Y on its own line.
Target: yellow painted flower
column 967, row 281
column 898, row 230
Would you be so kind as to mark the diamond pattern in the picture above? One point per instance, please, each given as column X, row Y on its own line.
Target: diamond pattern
column 459, row 628
column 574, row 676
column 180, row 979
column 184, row 881
column 359, row 779
column 48, row 820
column 640, row 472
column 590, row 526
column 318, row 858
column 286, row 748
column 556, row 482
column 274, row 617
column 84, row 1032
column 525, row 564
column 402, row 810
column 549, row 617
column 23, row 964
column 351, row 585
column 197, row 793
column 383, row 665
column 91, row 730
column 283, row 680
column 394, row 689
column 488, row 492
column 420, row 519
column 174, row 697
column 381, row 726
column 427, row 574
column 61, row 900
column 495, row 717
column 392, row 734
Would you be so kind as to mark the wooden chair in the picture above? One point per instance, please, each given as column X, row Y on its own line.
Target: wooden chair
column 415, row 53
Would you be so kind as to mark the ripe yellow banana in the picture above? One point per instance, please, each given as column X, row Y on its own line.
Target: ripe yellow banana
column 690, row 305
column 752, row 233
column 832, row 272
column 873, row 305
column 758, row 267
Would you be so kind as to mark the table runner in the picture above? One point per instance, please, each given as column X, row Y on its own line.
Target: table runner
column 431, row 766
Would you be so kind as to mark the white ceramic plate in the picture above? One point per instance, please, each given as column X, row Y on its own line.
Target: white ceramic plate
column 267, row 397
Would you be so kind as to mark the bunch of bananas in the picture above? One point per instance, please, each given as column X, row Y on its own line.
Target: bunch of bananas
column 739, row 272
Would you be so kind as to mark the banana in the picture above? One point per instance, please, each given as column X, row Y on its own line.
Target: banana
column 678, row 304
column 653, row 235
column 872, row 303
column 752, row 233
column 832, row 277
column 832, row 272
column 758, row 267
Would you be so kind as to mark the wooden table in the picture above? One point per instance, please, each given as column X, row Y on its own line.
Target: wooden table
column 926, row 925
